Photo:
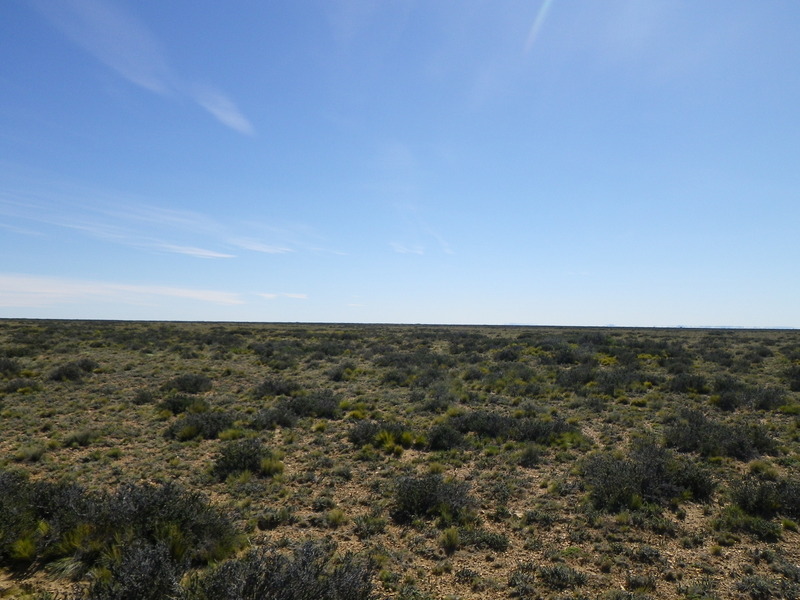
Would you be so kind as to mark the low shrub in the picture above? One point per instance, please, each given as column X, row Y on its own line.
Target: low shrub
column 767, row 498
column 276, row 386
column 692, row 431
column 685, row 383
column 319, row 403
column 450, row 540
column 647, row 473
column 483, row 423
column 9, row 367
column 279, row 415
column 734, row 519
column 237, row 456
column 484, row 540
column 431, row 496
column 561, row 577
column 80, row 438
column 311, row 572
column 143, row 571
column 64, row 523
column 275, row 517
column 367, row 526
column 190, row 383
column 20, row 385
column 205, row 425
column 73, row 371
column 180, row 403
column 443, row 436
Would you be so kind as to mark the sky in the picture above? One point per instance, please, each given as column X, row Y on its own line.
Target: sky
column 539, row 162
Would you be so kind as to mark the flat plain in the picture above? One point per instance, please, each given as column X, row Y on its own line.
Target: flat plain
column 356, row 462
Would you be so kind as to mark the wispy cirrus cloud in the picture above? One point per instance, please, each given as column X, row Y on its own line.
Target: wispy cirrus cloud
column 405, row 249
column 257, row 246
column 192, row 251
column 26, row 291
column 34, row 204
column 122, row 42
column 272, row 296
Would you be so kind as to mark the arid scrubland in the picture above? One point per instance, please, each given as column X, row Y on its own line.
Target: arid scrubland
column 349, row 462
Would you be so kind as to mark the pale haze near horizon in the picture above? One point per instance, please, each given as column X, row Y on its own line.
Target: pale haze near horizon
column 551, row 162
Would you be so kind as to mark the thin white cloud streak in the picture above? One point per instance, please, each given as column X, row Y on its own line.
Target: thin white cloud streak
column 403, row 249
column 192, row 251
column 223, row 108
column 536, row 27
column 123, row 43
column 113, row 37
column 270, row 296
column 257, row 246
column 122, row 219
column 25, row 291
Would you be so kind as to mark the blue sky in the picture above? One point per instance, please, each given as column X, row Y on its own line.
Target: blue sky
column 556, row 162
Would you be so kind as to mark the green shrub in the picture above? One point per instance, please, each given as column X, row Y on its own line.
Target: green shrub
column 692, row 431
column 648, row 473
column 20, row 386
column 190, row 383
column 80, row 438
column 238, row 456
column 144, row 571
column 734, row 519
column 523, row 581
column 792, row 377
column 368, row 525
column 73, row 371
column 684, row 383
column 483, row 423
column 9, row 367
column 319, row 403
column 561, row 577
column 311, row 573
column 76, row 529
column 142, row 397
column 275, row 517
column 767, row 498
column 529, row 457
column 431, row 496
column 484, row 540
column 278, row 416
column 205, row 425
column 276, row 386
column 450, row 540
column 180, row 403
column 443, row 436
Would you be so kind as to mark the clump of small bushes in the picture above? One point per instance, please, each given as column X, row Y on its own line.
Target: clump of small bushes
column 73, row 371
column 189, row 383
column 692, row 431
column 9, row 367
column 76, row 530
column 527, row 578
column 180, row 403
column 390, row 437
column 432, row 496
column 493, row 425
column 312, row 570
column 246, row 455
column 647, row 473
column 203, row 425
column 276, row 386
